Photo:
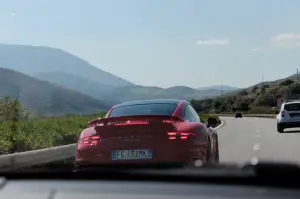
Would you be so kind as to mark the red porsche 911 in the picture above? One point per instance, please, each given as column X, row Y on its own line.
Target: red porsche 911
column 162, row 131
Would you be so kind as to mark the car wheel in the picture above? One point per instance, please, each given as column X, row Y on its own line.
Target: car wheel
column 208, row 152
column 279, row 128
column 217, row 150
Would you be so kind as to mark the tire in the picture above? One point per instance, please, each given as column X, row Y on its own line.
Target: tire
column 217, row 158
column 280, row 128
column 208, row 152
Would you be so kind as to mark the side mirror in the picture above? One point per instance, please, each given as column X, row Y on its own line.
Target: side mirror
column 211, row 122
column 76, row 137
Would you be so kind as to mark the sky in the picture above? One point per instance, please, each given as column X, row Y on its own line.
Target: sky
column 165, row 43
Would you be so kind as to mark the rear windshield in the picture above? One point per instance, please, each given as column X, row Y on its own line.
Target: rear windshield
column 292, row 107
column 144, row 109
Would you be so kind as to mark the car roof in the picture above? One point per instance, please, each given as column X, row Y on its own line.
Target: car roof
column 152, row 101
column 292, row 102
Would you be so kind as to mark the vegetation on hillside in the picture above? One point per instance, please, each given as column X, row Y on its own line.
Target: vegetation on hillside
column 19, row 132
column 257, row 99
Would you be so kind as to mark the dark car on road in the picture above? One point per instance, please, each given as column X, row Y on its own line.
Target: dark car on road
column 238, row 115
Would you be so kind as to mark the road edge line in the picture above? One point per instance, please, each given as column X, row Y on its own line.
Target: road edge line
column 217, row 127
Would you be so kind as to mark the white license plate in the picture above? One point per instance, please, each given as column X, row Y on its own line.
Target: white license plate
column 133, row 154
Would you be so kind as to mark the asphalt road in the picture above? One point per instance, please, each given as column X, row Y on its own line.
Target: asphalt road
column 247, row 139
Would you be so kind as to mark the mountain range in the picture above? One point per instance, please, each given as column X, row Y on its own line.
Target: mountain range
column 219, row 87
column 43, row 98
column 51, row 81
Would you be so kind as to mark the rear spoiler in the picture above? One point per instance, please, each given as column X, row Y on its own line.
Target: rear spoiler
column 138, row 119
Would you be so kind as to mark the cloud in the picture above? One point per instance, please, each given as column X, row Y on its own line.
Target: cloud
column 213, row 42
column 286, row 40
column 13, row 14
column 256, row 49
column 286, row 37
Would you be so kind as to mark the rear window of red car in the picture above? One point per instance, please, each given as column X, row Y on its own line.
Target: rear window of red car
column 144, row 109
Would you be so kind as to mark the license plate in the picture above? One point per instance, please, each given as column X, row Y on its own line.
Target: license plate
column 133, row 154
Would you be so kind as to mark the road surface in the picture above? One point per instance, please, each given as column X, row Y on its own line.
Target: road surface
column 247, row 139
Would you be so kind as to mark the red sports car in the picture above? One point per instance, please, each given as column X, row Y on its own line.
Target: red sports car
column 148, row 132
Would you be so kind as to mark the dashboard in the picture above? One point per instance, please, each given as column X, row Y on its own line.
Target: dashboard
column 84, row 189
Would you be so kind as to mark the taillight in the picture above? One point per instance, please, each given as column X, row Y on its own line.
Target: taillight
column 180, row 135
column 130, row 122
column 171, row 121
column 282, row 113
column 90, row 140
column 167, row 121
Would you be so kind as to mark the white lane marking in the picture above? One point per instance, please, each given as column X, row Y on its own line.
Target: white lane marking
column 257, row 136
column 217, row 127
column 254, row 160
column 256, row 147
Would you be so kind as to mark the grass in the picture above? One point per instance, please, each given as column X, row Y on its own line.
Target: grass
column 46, row 132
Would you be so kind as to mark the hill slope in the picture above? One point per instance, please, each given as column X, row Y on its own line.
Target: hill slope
column 77, row 83
column 259, row 98
column 32, row 60
column 45, row 98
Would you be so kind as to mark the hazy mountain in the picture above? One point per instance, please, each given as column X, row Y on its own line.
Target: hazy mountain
column 126, row 93
column 219, row 87
column 121, row 94
column 32, row 60
column 44, row 98
column 146, row 92
column 80, row 84
column 68, row 71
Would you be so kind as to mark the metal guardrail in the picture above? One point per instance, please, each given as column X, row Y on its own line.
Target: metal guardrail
column 249, row 115
column 40, row 156
column 36, row 157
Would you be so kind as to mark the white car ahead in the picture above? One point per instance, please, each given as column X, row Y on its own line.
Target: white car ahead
column 289, row 115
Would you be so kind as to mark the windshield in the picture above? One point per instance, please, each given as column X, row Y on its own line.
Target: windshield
column 69, row 69
column 292, row 107
column 144, row 109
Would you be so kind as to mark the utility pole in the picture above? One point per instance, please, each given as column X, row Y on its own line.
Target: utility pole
column 222, row 89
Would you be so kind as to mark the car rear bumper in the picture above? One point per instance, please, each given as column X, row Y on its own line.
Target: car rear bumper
column 87, row 167
column 290, row 124
column 179, row 156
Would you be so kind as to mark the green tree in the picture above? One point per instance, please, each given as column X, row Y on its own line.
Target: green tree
column 286, row 82
column 244, row 106
column 243, row 92
column 254, row 89
column 217, row 104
